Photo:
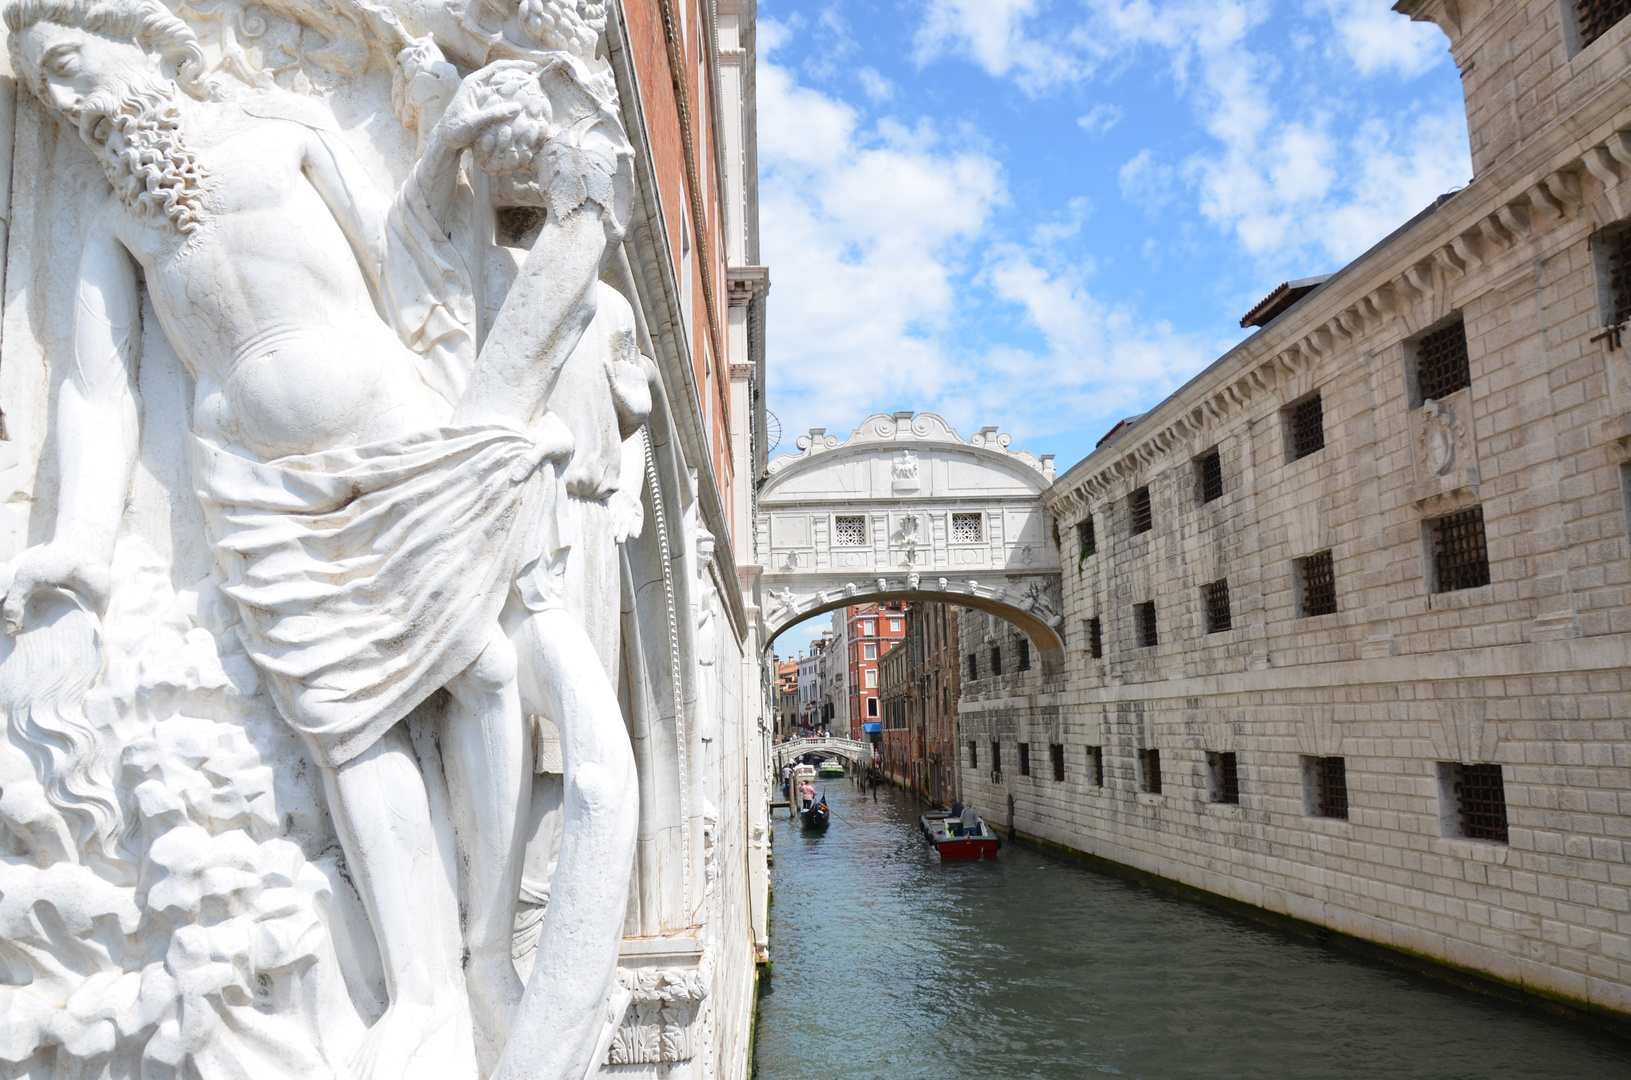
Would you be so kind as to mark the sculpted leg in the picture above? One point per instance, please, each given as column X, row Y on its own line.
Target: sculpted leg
column 382, row 816
column 556, row 1028
column 486, row 756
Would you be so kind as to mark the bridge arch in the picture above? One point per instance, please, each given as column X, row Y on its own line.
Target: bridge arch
column 856, row 753
column 906, row 509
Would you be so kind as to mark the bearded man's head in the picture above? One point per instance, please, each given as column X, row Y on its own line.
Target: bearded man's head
column 111, row 68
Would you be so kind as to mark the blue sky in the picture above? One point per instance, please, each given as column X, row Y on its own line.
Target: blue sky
column 1048, row 214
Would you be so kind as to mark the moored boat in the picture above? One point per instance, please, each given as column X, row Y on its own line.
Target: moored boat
column 829, row 768
column 965, row 835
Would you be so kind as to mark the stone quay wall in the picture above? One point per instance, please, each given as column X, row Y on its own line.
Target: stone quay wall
column 1435, row 687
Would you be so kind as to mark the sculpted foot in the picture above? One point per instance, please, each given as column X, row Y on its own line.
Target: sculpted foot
column 390, row 1044
column 495, row 991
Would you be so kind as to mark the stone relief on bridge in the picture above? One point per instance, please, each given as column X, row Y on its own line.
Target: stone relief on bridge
column 905, row 508
column 328, row 500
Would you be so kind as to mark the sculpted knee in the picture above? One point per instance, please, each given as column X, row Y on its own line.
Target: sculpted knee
column 494, row 669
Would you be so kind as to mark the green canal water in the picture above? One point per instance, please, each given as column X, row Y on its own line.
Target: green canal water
column 890, row 965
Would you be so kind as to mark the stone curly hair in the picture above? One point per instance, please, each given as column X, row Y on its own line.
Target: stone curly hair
column 146, row 22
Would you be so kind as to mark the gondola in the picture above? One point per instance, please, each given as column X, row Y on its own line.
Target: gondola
column 817, row 817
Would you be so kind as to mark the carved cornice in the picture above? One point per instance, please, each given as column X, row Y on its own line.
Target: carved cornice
column 745, row 284
column 917, row 428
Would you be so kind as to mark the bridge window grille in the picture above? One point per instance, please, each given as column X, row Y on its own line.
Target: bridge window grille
column 1095, row 765
column 1306, row 422
column 996, row 659
column 996, row 759
column 967, row 528
column 1597, row 16
column 1056, row 752
column 1024, row 655
column 1024, row 759
column 1225, row 777
column 1095, row 638
column 973, row 666
column 1209, row 474
column 1480, row 800
column 1460, row 557
column 1441, row 363
column 1149, row 761
column 1085, row 537
column 973, row 754
column 1217, row 606
column 1138, row 509
column 1144, row 621
column 1317, row 579
column 849, row 531
column 1325, row 781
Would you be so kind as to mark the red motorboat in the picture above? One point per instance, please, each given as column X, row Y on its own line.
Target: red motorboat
column 962, row 836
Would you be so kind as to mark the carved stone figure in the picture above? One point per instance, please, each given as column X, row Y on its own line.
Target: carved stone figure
column 388, row 514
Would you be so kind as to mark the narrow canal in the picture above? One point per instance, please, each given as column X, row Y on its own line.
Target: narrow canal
column 1035, row 967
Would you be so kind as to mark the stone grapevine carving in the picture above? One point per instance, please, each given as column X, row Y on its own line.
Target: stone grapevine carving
column 275, row 822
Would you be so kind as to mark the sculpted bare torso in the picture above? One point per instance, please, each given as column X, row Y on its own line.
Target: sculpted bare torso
column 277, row 323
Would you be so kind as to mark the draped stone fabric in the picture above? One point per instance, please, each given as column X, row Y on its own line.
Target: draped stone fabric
column 368, row 577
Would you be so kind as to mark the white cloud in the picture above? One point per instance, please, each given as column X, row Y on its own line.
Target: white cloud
column 992, row 34
column 1100, row 119
column 1145, row 182
column 1376, row 39
column 876, row 86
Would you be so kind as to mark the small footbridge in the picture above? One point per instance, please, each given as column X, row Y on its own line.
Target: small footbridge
column 856, row 753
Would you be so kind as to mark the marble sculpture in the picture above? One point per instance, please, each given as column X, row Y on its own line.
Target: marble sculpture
column 413, row 484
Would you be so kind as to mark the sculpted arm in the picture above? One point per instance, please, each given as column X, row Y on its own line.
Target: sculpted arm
column 352, row 197
column 97, row 431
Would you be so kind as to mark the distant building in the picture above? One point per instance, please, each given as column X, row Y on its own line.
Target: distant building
column 787, row 696
column 810, row 686
column 835, row 675
column 871, row 630
column 920, row 680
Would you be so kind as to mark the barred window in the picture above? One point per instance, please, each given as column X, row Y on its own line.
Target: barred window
column 967, row 528
column 1209, row 476
column 1325, row 786
column 1085, row 538
column 1144, row 623
column 1460, row 556
column 1138, row 507
column 1597, row 16
column 973, row 754
column 1095, row 638
column 1149, row 761
column 1617, row 249
column 1480, row 799
column 973, row 666
column 1095, row 765
column 996, row 659
column 996, row 758
column 1441, row 363
column 1217, row 606
column 1225, row 775
column 1024, row 759
column 849, row 531
column 1024, row 655
column 1306, row 422
column 1056, row 752
column 1317, row 579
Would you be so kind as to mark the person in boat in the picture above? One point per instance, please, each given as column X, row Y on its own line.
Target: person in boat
column 806, row 795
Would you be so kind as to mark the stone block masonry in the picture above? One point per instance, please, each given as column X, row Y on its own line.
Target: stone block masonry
column 1426, row 598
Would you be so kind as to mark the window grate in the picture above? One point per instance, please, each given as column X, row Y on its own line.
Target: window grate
column 973, row 666
column 1597, row 16
column 1217, row 606
column 1210, row 470
column 1460, row 557
column 1319, row 585
column 1095, row 638
column 1056, row 751
column 1441, row 362
column 1331, row 787
column 1144, row 617
column 1225, row 778
column 1307, row 427
column 996, row 759
column 1095, row 765
column 1151, row 760
column 967, row 528
column 1619, row 269
column 1480, row 797
column 1138, row 506
column 849, row 531
column 973, row 754
column 996, row 659
column 1086, row 538
column 1024, row 655
column 1024, row 759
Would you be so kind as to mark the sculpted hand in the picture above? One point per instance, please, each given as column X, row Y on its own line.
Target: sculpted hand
column 54, row 566
column 474, row 109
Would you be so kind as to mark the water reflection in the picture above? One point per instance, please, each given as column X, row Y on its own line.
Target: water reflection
column 889, row 964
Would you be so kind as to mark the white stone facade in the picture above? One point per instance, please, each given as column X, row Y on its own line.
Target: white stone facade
column 1530, row 672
